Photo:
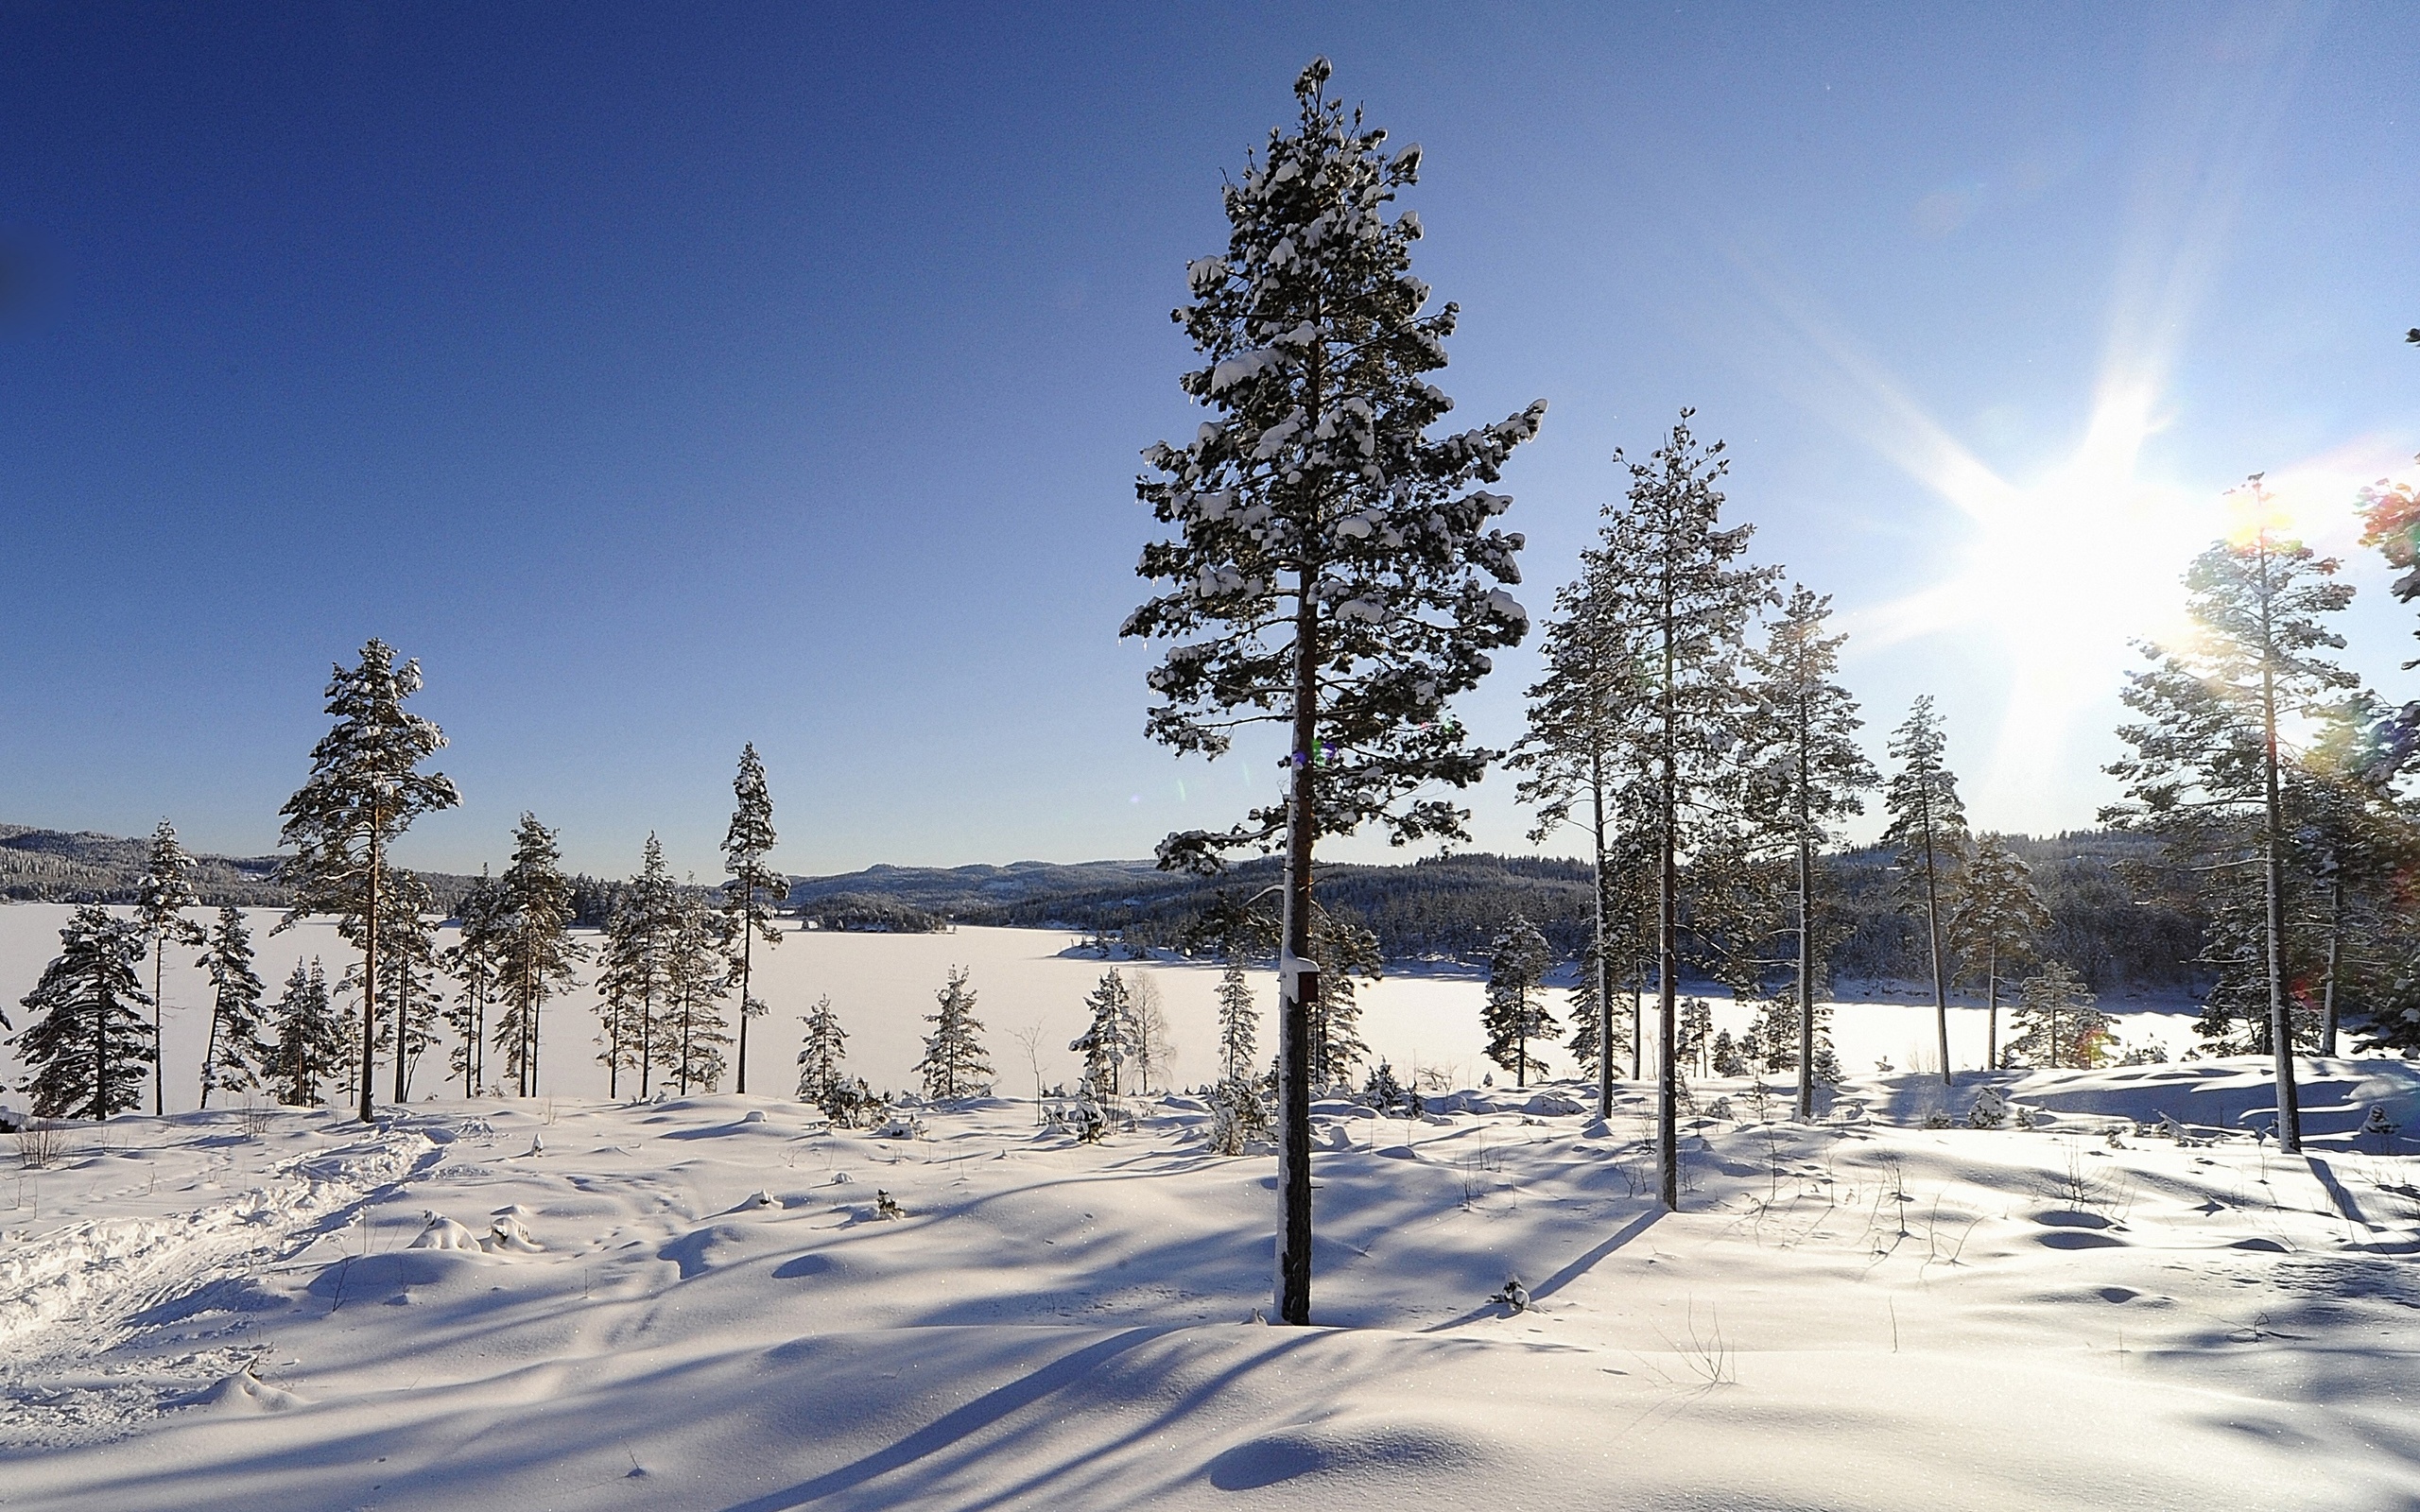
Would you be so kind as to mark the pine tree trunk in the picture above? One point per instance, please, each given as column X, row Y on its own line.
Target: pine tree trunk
column 1932, row 931
column 1604, row 965
column 2335, row 964
column 370, row 980
column 1805, row 931
column 1992, row 1012
column 747, row 950
column 1297, row 982
column 1667, row 952
column 2281, row 1028
column 159, row 1062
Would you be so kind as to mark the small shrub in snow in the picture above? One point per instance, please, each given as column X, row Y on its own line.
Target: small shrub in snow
column 1382, row 1092
column 886, row 1206
column 1238, row 1116
column 1990, row 1109
column 1514, row 1296
column 1938, row 1118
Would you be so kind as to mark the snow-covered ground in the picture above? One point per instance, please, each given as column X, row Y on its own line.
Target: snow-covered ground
column 699, row 1305
column 883, row 985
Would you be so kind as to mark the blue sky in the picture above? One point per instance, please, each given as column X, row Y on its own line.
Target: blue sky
column 667, row 378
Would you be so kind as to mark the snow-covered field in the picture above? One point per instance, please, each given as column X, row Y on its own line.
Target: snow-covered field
column 562, row 1302
column 699, row 1305
column 883, row 985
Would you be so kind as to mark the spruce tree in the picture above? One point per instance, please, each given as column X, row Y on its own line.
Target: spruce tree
column 954, row 1063
column 310, row 1047
column 632, row 976
column 1680, row 602
column 1996, row 916
column 160, row 904
column 1516, row 1014
column 1928, row 831
column 1108, row 1040
column 689, row 1036
column 2390, row 514
column 1238, row 1024
column 537, row 952
column 87, row 1047
column 2209, row 744
column 475, row 960
column 1808, row 780
column 755, row 888
column 1332, row 562
column 407, row 969
column 820, row 1055
column 365, row 789
column 1581, row 753
column 231, row 1059
column 2058, row 1024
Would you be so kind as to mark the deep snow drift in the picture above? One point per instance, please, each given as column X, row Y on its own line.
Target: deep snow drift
column 702, row 1304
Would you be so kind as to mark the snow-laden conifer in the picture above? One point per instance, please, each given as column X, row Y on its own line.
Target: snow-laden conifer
column 1997, row 918
column 755, row 889
column 1108, row 1040
column 2058, row 1022
column 407, row 969
column 87, row 1044
column 160, row 904
column 2209, row 750
column 820, row 1051
column 1928, row 833
column 537, row 952
column 310, row 1049
column 955, row 1064
column 1808, row 780
column 1238, row 1024
column 233, row 1056
column 1515, row 1016
column 1333, row 565
column 365, row 789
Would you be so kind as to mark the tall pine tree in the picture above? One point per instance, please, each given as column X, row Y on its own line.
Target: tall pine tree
column 1810, row 779
column 2209, row 742
column 633, row 970
column 88, row 1045
column 1238, row 1024
column 365, row 789
column 158, row 912
column 1927, row 831
column 1332, row 560
column 1996, row 917
column 537, row 952
column 755, row 889
column 1682, row 602
column 232, row 1058
column 1108, row 1040
column 1580, row 754
column 691, row 1032
column 476, row 961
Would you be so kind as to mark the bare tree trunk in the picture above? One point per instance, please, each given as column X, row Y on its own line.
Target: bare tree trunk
column 1992, row 1012
column 1667, row 1071
column 746, row 952
column 2281, row 1028
column 159, row 1062
column 1932, row 930
column 1805, row 931
column 1298, row 983
column 1603, row 964
column 2335, row 964
column 370, row 979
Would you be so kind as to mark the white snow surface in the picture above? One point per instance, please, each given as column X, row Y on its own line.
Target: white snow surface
column 685, row 1306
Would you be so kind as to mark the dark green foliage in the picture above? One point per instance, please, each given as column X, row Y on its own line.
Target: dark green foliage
column 1108, row 1040
column 634, row 976
column 365, row 789
column 820, row 1055
column 87, row 1047
column 311, row 1046
column 1515, row 1015
column 234, row 1055
column 954, row 1063
column 535, row 952
column 755, row 889
column 690, row 1034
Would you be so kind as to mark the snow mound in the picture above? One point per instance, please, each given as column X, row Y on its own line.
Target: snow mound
column 444, row 1233
column 246, row 1392
column 1351, row 1456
